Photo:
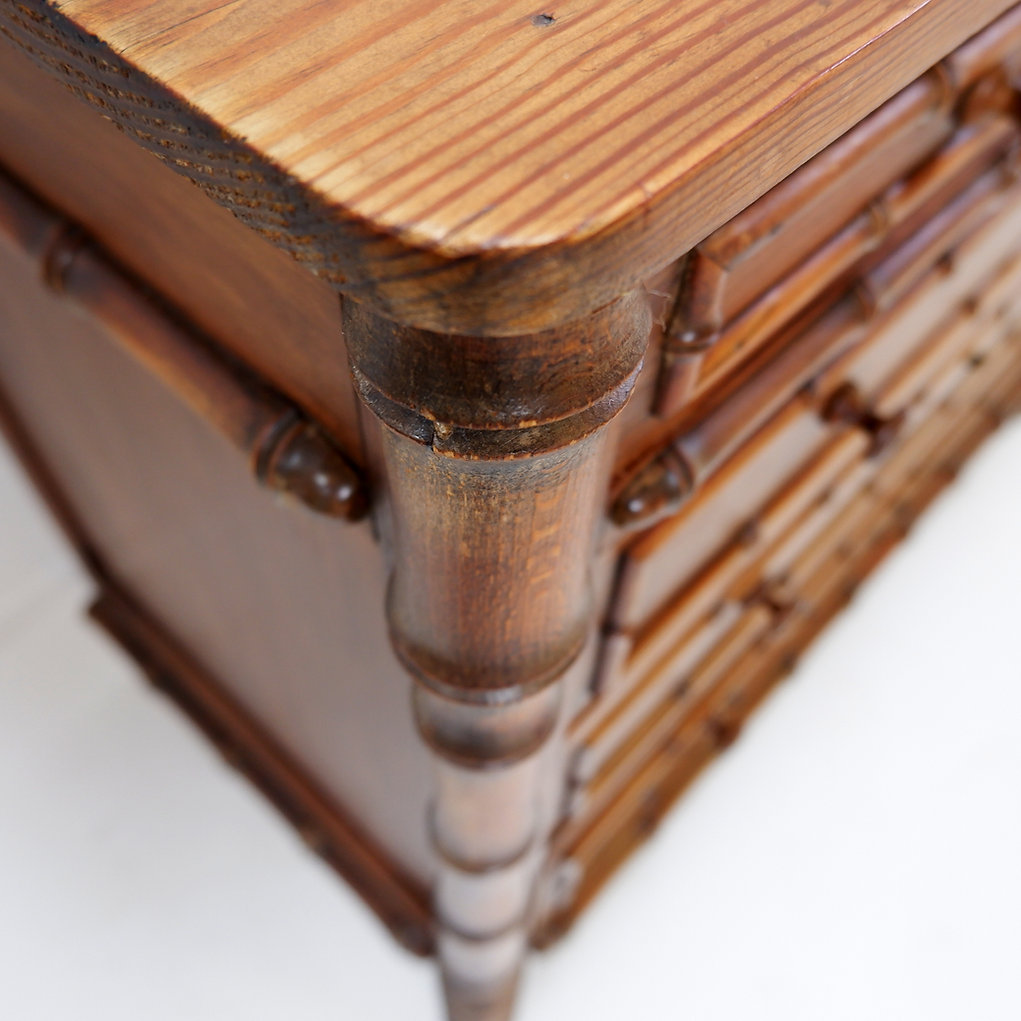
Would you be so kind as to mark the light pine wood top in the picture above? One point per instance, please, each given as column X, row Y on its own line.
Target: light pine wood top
column 498, row 146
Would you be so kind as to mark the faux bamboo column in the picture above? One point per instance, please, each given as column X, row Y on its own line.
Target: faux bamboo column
column 496, row 472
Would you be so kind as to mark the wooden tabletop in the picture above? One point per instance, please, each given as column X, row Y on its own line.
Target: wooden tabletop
column 494, row 166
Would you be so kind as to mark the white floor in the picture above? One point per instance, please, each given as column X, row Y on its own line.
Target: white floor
column 857, row 854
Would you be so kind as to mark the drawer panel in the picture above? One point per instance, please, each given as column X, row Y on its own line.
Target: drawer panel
column 797, row 557
column 661, row 562
column 946, row 272
column 955, row 287
column 884, row 248
column 891, row 279
column 761, row 245
column 987, row 320
column 828, row 512
column 996, row 47
column 633, row 734
column 705, row 608
column 639, row 772
column 923, row 452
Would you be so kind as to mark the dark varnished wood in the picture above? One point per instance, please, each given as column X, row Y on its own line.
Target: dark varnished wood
column 275, row 607
column 492, row 519
column 399, row 901
column 245, row 746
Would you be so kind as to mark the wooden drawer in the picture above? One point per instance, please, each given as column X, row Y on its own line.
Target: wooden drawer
column 644, row 722
column 979, row 324
column 911, row 295
column 702, row 610
column 996, row 49
column 942, row 289
column 901, row 232
column 660, row 563
column 770, row 562
column 640, row 776
column 760, row 246
column 440, row 277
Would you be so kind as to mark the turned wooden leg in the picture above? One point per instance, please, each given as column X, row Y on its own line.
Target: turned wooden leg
column 496, row 471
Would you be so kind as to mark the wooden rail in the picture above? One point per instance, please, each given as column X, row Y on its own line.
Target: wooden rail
column 287, row 452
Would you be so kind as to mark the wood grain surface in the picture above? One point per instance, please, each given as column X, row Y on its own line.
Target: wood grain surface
column 259, row 305
column 489, row 167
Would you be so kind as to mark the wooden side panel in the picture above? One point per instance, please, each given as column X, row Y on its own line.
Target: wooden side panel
column 281, row 606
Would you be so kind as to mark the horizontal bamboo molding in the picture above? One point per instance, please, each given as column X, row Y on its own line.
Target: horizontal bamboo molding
column 489, row 168
column 697, row 718
column 886, row 176
column 287, row 452
column 796, row 354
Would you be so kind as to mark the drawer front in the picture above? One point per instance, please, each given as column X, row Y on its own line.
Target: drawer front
column 760, row 246
column 702, row 611
column 904, row 292
column 868, row 192
column 628, row 770
column 761, row 541
column 901, row 232
column 659, row 564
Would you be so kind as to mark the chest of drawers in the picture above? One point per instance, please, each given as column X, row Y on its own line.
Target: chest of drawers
column 469, row 413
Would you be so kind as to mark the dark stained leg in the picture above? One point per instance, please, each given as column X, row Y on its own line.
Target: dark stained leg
column 496, row 469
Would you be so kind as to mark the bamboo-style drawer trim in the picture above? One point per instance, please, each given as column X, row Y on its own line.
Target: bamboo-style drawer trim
column 287, row 452
column 996, row 51
column 875, row 252
column 659, row 563
column 698, row 612
column 870, row 189
column 768, row 240
column 915, row 372
column 638, row 727
column 911, row 396
column 589, row 845
column 769, row 560
column 959, row 244
column 965, row 282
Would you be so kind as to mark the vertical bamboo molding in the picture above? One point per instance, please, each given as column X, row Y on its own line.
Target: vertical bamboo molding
column 496, row 470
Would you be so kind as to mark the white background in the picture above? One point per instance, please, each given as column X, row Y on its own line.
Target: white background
column 856, row 855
